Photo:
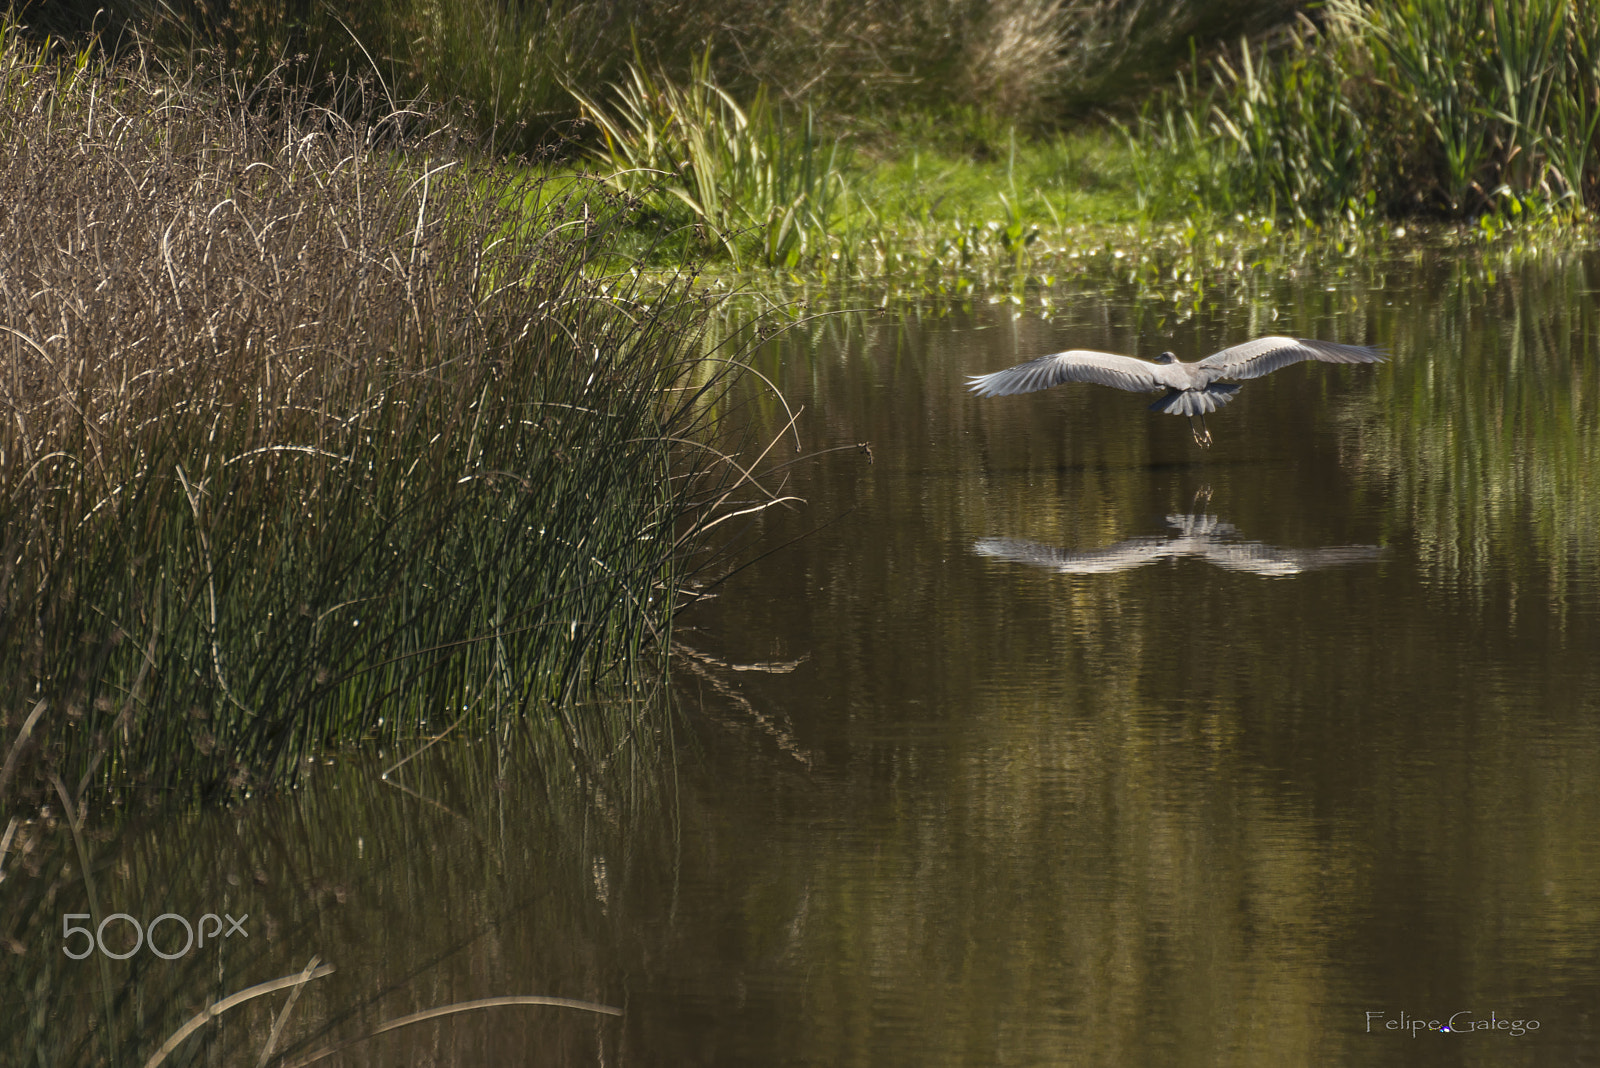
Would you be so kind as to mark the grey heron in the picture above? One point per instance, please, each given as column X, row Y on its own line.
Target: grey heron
column 1192, row 388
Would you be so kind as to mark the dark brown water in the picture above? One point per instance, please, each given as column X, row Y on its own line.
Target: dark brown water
column 1057, row 740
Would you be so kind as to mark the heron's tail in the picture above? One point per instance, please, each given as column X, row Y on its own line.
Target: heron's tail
column 1192, row 402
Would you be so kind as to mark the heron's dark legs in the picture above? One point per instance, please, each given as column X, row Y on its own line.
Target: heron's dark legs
column 1202, row 436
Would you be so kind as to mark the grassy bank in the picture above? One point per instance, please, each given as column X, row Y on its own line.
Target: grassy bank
column 956, row 140
column 318, row 431
column 1316, row 131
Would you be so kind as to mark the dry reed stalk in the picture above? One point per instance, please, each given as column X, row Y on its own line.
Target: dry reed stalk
column 312, row 425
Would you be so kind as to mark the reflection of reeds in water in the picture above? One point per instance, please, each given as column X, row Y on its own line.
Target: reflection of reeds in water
column 1492, row 441
column 479, row 906
column 315, row 432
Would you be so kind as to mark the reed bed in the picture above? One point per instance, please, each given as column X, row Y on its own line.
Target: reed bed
column 1030, row 62
column 763, row 135
column 317, row 430
column 1264, row 158
column 748, row 179
column 1447, row 108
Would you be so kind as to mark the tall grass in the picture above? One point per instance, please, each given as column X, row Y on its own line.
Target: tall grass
column 750, row 179
column 1439, row 107
column 1504, row 91
column 1028, row 62
column 315, row 431
column 1018, row 61
column 511, row 63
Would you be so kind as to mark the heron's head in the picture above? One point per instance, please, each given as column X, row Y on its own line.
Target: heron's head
column 1167, row 357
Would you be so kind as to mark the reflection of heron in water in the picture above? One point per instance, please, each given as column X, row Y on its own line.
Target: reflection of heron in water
column 1192, row 388
column 1197, row 535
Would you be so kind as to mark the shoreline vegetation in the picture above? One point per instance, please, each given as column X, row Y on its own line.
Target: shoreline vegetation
column 333, row 419
column 323, row 431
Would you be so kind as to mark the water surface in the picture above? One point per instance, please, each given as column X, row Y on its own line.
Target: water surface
column 1039, row 736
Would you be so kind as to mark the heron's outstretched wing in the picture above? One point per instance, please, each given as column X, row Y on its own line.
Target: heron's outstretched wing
column 1266, row 354
column 1075, row 365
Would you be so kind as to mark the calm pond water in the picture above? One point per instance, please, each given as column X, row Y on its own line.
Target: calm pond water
column 1054, row 740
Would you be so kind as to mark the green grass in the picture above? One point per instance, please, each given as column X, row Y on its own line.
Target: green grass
column 1270, row 141
column 756, row 183
column 755, row 187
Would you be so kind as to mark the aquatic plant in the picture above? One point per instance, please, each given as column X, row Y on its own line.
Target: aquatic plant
column 747, row 176
column 1434, row 106
column 318, row 431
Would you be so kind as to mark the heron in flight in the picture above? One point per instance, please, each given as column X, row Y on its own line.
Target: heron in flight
column 1193, row 389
